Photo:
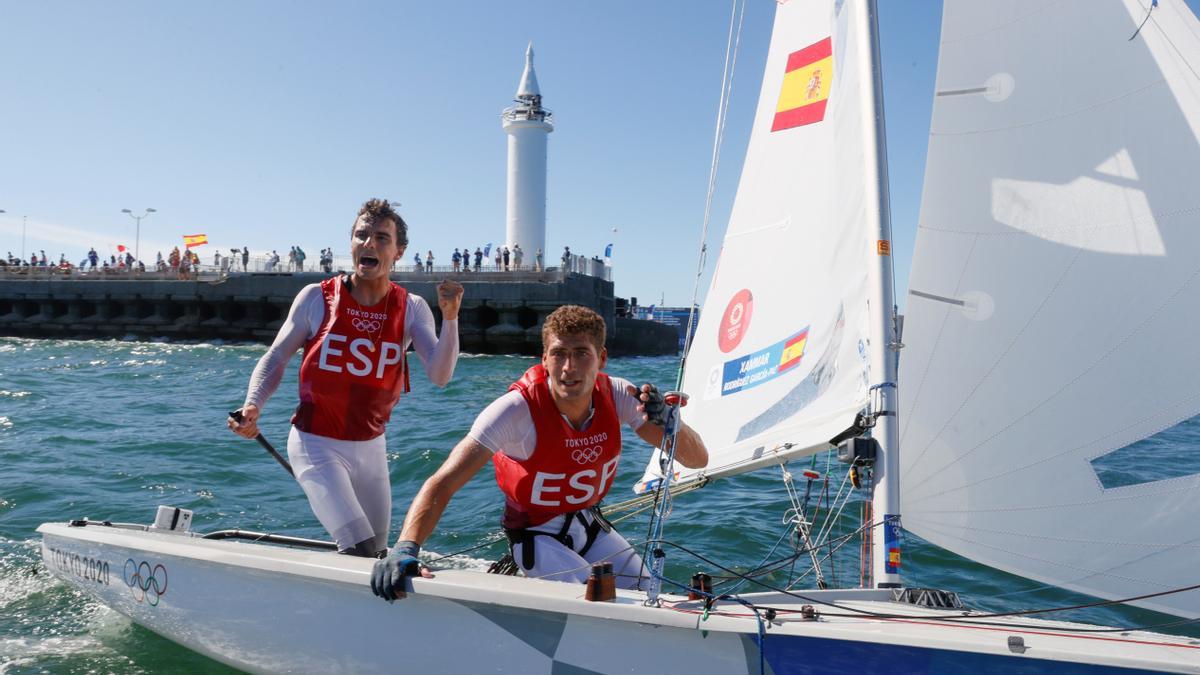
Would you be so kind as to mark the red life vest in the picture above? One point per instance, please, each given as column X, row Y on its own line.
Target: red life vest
column 354, row 368
column 569, row 470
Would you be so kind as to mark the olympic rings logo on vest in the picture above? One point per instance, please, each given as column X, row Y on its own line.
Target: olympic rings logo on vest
column 365, row 325
column 147, row 583
column 587, row 455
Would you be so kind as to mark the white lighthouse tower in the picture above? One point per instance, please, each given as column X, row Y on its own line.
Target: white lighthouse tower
column 527, row 124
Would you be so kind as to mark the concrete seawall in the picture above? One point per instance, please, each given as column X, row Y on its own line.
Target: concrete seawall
column 502, row 312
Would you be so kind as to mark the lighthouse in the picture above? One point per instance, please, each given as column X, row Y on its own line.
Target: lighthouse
column 527, row 124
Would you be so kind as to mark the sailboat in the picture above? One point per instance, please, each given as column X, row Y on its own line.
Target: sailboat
column 1047, row 326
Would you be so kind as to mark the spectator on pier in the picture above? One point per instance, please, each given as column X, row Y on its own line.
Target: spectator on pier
column 498, row 258
column 128, row 259
column 466, row 259
column 478, row 259
column 245, row 257
column 185, row 266
column 44, row 258
column 93, row 258
column 273, row 261
column 417, row 266
column 537, row 260
column 518, row 254
column 301, row 256
column 429, row 262
column 456, row 260
column 337, row 443
column 217, row 259
column 566, row 257
column 506, row 257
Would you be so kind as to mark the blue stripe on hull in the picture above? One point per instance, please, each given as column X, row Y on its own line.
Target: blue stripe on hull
column 786, row 654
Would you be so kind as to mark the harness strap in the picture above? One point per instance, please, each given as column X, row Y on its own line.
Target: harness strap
column 525, row 536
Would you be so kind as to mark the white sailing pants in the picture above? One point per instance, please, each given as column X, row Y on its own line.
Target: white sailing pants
column 347, row 484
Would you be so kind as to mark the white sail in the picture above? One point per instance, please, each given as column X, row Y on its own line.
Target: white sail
column 778, row 365
column 1055, row 294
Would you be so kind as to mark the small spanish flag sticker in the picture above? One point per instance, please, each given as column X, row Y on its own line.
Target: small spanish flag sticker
column 793, row 351
column 805, row 89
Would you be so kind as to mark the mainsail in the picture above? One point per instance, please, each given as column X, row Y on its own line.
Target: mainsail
column 779, row 363
column 1053, row 306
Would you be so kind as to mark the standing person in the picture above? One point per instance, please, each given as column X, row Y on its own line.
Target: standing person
column 355, row 329
column 429, row 262
column 498, row 258
column 518, row 254
column 537, row 260
column 417, row 262
column 300, row 258
column 555, row 442
column 478, row 259
column 245, row 257
column 456, row 259
column 506, row 255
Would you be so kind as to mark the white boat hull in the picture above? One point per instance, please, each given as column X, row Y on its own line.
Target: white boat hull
column 273, row 609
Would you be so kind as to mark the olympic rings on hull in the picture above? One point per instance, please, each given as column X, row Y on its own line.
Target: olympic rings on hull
column 147, row 583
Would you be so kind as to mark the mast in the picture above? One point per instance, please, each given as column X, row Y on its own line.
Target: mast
column 885, row 502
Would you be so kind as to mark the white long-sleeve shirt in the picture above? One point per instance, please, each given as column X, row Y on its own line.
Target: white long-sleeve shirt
column 438, row 355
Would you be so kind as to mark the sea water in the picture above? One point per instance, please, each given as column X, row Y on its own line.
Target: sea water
column 111, row 429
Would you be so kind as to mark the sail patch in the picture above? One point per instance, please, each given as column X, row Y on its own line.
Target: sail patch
column 759, row 367
column 805, row 89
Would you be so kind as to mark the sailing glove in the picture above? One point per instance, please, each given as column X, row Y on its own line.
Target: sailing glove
column 653, row 406
column 387, row 579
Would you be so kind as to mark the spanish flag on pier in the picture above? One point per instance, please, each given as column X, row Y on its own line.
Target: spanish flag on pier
column 190, row 240
column 805, row 89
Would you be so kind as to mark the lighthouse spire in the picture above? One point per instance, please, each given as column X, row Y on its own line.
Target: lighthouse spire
column 529, row 84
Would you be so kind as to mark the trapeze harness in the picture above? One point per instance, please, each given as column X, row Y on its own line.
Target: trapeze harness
column 569, row 472
column 347, row 387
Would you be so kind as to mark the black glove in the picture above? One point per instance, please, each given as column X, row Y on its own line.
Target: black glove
column 387, row 579
column 653, row 406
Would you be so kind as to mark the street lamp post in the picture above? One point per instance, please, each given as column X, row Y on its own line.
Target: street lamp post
column 137, row 242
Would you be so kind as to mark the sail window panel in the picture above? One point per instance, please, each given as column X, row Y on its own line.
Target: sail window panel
column 1152, row 459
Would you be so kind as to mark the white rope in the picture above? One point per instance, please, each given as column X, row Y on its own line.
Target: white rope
column 733, row 41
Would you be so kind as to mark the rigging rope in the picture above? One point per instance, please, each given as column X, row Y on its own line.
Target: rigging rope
column 732, row 43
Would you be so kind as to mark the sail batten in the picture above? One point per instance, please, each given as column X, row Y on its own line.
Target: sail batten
column 1057, row 218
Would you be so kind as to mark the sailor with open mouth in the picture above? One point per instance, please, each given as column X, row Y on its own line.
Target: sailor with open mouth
column 355, row 330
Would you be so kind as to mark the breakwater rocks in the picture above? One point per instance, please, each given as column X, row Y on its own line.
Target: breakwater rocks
column 502, row 312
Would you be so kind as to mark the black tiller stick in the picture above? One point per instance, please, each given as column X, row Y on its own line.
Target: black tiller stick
column 236, row 416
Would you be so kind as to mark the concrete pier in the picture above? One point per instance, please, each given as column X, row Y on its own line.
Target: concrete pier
column 502, row 312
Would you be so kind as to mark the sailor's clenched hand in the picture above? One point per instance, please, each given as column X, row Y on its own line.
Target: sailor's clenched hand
column 245, row 424
column 450, row 295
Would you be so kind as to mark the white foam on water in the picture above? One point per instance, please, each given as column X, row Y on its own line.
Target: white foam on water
column 80, row 628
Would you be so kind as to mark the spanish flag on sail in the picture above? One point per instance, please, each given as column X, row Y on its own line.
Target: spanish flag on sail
column 190, row 240
column 805, row 89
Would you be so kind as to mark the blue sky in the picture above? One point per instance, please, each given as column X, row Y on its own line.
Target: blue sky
column 266, row 124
